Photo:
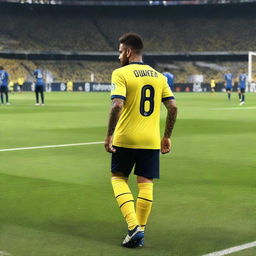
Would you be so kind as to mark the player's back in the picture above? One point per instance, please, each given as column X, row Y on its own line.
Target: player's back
column 242, row 80
column 228, row 77
column 143, row 89
column 39, row 77
column 3, row 78
column 170, row 78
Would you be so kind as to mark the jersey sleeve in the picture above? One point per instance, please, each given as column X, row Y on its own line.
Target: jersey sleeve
column 118, row 88
column 167, row 92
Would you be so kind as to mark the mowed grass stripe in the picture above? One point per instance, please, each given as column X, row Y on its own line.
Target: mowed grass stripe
column 204, row 201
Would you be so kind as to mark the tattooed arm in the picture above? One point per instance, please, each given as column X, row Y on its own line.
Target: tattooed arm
column 117, row 105
column 170, row 121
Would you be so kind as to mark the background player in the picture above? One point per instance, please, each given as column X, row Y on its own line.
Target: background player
column 11, row 86
column 39, row 86
column 20, row 82
column 241, row 87
column 137, row 92
column 4, row 80
column 228, row 82
column 170, row 78
column 213, row 84
column 70, row 86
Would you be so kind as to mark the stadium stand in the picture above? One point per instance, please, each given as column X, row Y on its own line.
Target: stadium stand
column 79, row 71
column 55, row 28
column 97, row 29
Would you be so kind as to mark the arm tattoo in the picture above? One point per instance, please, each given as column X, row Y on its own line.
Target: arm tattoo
column 170, row 119
column 113, row 118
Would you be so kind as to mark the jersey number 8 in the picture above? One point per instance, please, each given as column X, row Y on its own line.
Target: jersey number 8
column 147, row 95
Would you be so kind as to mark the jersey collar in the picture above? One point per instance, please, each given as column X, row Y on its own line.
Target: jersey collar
column 140, row 63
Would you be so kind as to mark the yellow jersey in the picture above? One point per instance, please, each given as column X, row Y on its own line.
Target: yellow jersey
column 143, row 89
column 69, row 86
column 212, row 83
column 11, row 86
column 21, row 81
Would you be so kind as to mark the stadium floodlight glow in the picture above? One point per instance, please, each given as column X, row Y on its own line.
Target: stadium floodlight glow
column 250, row 55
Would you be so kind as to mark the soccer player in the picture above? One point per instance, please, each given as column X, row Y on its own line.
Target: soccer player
column 69, row 86
column 4, row 80
column 229, row 81
column 133, row 135
column 170, row 78
column 39, row 86
column 241, row 87
column 213, row 86
column 20, row 81
column 11, row 86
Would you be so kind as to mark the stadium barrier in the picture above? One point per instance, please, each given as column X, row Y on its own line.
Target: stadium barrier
column 149, row 57
column 106, row 87
column 125, row 2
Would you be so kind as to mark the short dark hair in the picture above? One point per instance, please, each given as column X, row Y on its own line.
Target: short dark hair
column 166, row 69
column 1, row 68
column 132, row 40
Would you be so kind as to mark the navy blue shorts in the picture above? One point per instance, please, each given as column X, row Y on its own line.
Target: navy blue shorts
column 3, row 89
column 146, row 162
column 39, row 88
column 242, row 90
column 228, row 89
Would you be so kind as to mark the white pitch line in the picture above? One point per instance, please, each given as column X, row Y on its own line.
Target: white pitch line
column 4, row 253
column 234, row 108
column 232, row 249
column 51, row 146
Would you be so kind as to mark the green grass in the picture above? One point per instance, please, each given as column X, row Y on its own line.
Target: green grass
column 59, row 201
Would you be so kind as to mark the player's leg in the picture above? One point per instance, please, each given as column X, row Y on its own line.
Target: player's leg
column 42, row 95
column 229, row 94
column 147, row 168
column 6, row 95
column 239, row 94
column 242, row 96
column 121, row 166
column 2, row 97
column 124, row 199
column 144, row 200
column 144, row 203
column 37, row 95
column 2, row 94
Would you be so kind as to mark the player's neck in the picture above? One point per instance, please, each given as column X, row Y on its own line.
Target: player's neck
column 135, row 58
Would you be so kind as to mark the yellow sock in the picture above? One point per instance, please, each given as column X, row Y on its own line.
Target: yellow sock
column 144, row 203
column 125, row 200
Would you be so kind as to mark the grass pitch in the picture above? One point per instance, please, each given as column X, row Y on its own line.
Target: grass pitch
column 59, row 201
